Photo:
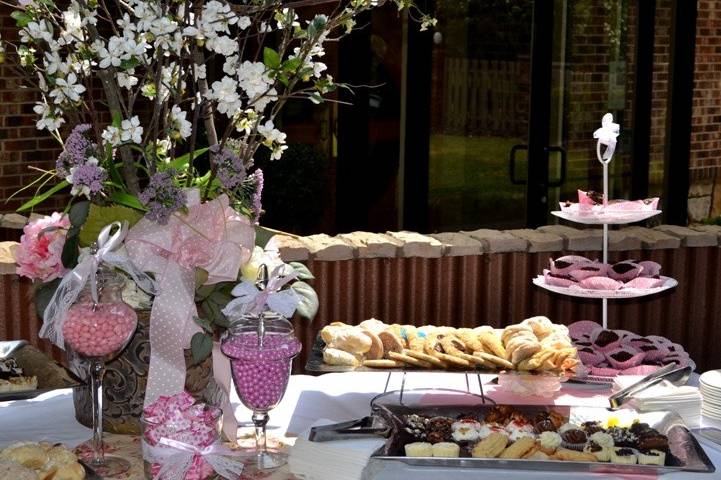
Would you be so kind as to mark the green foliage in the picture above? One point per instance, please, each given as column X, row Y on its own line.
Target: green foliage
column 43, row 196
column 100, row 216
column 302, row 271
column 271, row 59
column 43, row 294
column 78, row 214
column 308, row 306
column 201, row 345
column 22, row 19
column 127, row 199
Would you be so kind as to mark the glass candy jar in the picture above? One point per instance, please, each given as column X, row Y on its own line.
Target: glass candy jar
column 261, row 348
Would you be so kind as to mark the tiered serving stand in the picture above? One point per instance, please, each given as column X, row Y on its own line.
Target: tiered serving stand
column 606, row 136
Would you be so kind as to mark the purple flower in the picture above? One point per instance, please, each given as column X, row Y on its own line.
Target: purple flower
column 76, row 151
column 256, row 207
column 162, row 197
column 87, row 179
column 229, row 166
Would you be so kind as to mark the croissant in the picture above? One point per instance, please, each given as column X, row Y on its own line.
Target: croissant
column 350, row 339
column 492, row 344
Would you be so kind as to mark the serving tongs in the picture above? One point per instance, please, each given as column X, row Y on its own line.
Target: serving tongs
column 370, row 426
column 9, row 347
column 671, row 373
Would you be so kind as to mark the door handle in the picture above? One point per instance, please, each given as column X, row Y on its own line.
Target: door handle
column 562, row 177
column 512, row 164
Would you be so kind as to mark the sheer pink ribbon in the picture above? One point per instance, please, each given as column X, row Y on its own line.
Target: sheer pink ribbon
column 211, row 236
column 176, row 464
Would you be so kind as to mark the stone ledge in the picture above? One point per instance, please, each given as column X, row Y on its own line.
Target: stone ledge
column 457, row 244
column 619, row 240
column 324, row 247
column 291, row 249
column 417, row 245
column 653, row 239
column 539, row 241
column 712, row 229
column 495, row 241
column 587, row 239
column 372, row 245
column 690, row 237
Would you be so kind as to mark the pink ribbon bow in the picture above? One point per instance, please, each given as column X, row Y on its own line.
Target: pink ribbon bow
column 211, row 236
column 177, row 464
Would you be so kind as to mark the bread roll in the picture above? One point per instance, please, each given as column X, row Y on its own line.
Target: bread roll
column 333, row 356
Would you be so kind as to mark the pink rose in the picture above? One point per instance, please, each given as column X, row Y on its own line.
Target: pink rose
column 41, row 246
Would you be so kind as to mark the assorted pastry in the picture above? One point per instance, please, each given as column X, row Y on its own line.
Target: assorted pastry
column 592, row 202
column 608, row 353
column 575, row 271
column 13, row 379
column 505, row 432
column 39, row 461
column 535, row 344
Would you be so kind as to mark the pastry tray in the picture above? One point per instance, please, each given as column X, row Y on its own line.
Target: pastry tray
column 315, row 364
column 589, row 293
column 608, row 218
column 51, row 375
column 686, row 454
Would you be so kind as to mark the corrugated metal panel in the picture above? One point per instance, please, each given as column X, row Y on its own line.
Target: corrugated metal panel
column 475, row 290
column 496, row 290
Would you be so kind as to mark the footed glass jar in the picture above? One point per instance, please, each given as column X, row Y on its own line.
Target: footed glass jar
column 261, row 349
column 96, row 332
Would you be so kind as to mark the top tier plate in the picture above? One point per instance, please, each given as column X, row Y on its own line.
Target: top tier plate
column 589, row 217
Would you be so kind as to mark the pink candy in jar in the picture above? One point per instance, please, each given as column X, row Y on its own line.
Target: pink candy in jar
column 99, row 332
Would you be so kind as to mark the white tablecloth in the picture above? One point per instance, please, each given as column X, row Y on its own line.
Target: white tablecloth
column 338, row 397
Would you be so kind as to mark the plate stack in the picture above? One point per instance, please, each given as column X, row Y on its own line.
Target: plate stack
column 710, row 385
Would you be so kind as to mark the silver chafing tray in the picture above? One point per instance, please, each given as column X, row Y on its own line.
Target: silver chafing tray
column 388, row 409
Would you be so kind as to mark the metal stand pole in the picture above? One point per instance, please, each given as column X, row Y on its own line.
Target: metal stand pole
column 604, row 302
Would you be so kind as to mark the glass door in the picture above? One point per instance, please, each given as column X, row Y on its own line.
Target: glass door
column 517, row 89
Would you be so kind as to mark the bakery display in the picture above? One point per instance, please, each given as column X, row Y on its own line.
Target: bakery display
column 534, row 345
column 40, row 461
column 506, row 432
column 13, row 379
column 607, row 352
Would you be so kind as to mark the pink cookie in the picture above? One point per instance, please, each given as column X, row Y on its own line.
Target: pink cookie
column 600, row 283
column 650, row 268
column 624, row 271
column 582, row 327
column 563, row 265
column 662, row 340
column 604, row 371
column 556, row 280
column 640, row 370
column 590, row 357
column 645, row 283
column 605, row 340
column 624, row 357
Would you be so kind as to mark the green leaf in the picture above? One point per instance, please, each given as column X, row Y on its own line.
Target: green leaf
column 200, row 346
column 129, row 63
column 204, row 324
column 100, row 216
column 271, row 59
column 43, row 294
column 202, row 293
column 71, row 249
column 43, row 196
column 181, row 162
column 79, row 213
column 263, row 236
column 201, row 276
column 302, row 271
column 291, row 65
column 308, row 306
column 22, row 19
column 128, row 200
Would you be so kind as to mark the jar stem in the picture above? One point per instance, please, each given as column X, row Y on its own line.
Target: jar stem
column 97, row 371
column 260, row 420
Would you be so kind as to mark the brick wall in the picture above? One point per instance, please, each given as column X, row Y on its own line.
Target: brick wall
column 22, row 146
column 705, row 161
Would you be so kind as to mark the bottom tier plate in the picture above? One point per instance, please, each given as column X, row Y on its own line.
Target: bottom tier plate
column 588, row 293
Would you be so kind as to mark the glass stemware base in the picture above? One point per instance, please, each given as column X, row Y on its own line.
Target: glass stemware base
column 110, row 466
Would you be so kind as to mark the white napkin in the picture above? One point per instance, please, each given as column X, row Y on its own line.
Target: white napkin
column 338, row 459
column 684, row 400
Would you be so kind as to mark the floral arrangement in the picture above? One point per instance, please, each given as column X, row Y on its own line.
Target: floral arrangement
column 157, row 102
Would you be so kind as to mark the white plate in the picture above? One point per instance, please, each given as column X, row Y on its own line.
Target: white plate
column 588, row 293
column 610, row 218
column 715, row 416
column 712, row 379
column 710, row 398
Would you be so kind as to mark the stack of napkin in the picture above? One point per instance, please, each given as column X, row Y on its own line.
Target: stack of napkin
column 338, row 459
column 684, row 400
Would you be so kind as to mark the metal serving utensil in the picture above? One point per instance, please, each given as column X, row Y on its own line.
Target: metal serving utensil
column 366, row 426
column 8, row 347
column 671, row 373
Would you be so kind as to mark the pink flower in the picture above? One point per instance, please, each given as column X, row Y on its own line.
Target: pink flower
column 41, row 246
